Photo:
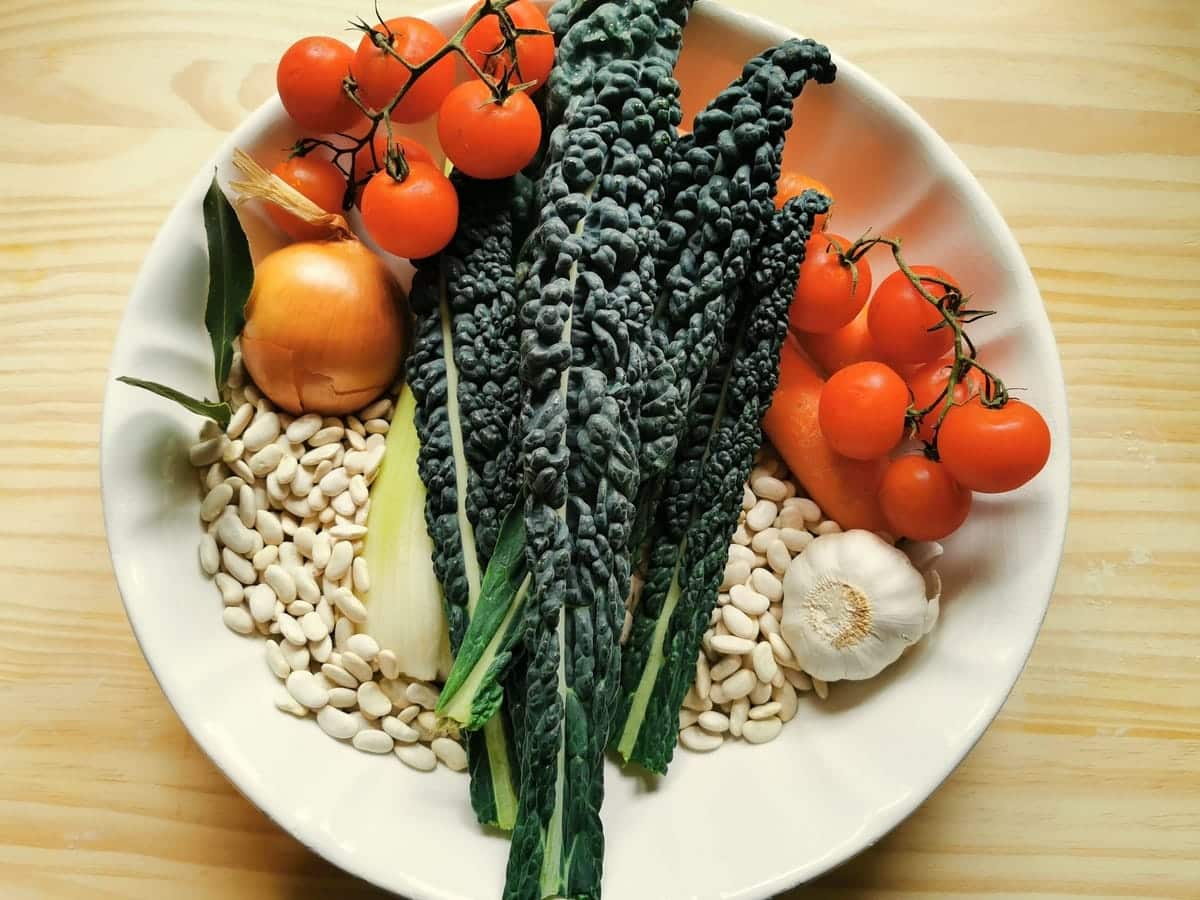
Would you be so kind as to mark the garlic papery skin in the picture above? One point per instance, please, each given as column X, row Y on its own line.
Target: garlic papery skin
column 852, row 603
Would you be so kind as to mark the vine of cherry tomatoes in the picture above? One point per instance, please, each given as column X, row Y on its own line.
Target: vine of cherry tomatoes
column 404, row 71
column 905, row 366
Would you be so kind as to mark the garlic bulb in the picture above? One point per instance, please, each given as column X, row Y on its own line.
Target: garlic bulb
column 852, row 603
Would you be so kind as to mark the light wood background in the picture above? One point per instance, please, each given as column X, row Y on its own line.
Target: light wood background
column 1081, row 119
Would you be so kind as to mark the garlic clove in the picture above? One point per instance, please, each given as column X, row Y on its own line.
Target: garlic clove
column 852, row 604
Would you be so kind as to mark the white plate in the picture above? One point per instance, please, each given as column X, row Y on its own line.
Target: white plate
column 840, row 776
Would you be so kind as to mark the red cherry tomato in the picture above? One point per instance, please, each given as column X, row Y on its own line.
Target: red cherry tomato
column 828, row 296
column 365, row 164
column 793, row 184
column 317, row 179
column 900, row 318
column 920, row 500
column 486, row 138
column 414, row 218
column 992, row 450
column 535, row 52
column 862, row 408
column 380, row 76
column 927, row 384
column 309, row 80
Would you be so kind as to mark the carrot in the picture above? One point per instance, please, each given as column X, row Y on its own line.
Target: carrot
column 846, row 489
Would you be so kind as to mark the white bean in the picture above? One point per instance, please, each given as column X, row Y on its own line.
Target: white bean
column 207, row 452
column 282, row 583
column 291, row 630
column 296, row 656
column 343, row 504
column 303, row 428
column 365, row 646
column 789, row 703
column 238, row 566
column 372, row 740
column 325, row 611
column 231, row 589
column 759, row 731
column 761, row 693
column 360, row 576
column 380, row 409
column 767, row 583
column 748, row 600
column 769, row 488
column 400, row 730
column 334, row 482
column 306, row 586
column 741, row 535
column 739, row 711
column 372, row 701
column 215, row 502
column 289, row 704
column 450, row 752
column 821, row 687
column 713, row 721
column 726, row 667
column 778, row 557
column 763, row 539
column 736, row 572
column 797, row 679
column 699, row 740
column 748, row 498
column 422, row 694
column 336, row 723
column 703, row 677
column 687, row 718
column 328, row 435
column 261, row 432
column 339, row 676
column 237, row 619
column 233, row 534
column 339, row 560
column 322, row 548
column 304, row 686
column 276, row 661
column 761, row 515
column 768, row 624
column 783, row 653
column 692, row 700
column 738, row 623
column 809, row 510
column 321, row 650
column 765, row 666
column 389, row 666
column 302, row 483
column 416, row 756
column 313, row 627
column 795, row 539
column 737, row 551
column 766, row 710
column 358, row 490
column 267, row 524
column 265, row 557
column 239, row 420
column 356, row 665
column 319, row 455
column 730, row 644
column 350, row 605
column 739, row 684
column 716, row 697
column 261, row 600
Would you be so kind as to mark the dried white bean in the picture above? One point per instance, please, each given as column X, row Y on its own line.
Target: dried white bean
column 237, row 619
column 325, row 611
column 765, row 666
column 282, row 583
column 207, row 452
column 360, row 576
column 303, row 428
column 769, row 488
column 797, row 679
column 364, row 646
column 336, row 723
column 730, row 644
column 763, row 539
column 699, row 740
column 400, row 730
column 338, row 563
column 343, row 698
column 321, row 650
column 778, row 557
column 343, row 504
column 321, row 549
column 748, row 600
column 242, row 470
column 713, row 721
column 768, row 624
column 267, row 524
column 789, row 703
column 761, row 693
column 304, row 686
column 795, row 539
column 759, row 731
column 372, row 740
column 334, row 482
column 739, row 684
column 766, row 710
column 276, row 661
column 265, row 460
column 739, row 624
column 356, row 665
column 319, row 455
column 339, row 676
column 380, row 409
column 767, row 583
column 289, row 704
column 215, row 501
column 389, row 666
column 741, row 535
column 239, row 420
column 304, row 539
column 261, row 432
column 374, row 458
column 232, row 592
column 716, row 697
column 261, row 600
column 703, row 676
column 297, row 657
column 372, row 701
column 313, row 627
column 783, row 653
column 737, row 551
column 761, row 515
column 246, row 506
column 739, row 711
column 350, row 605
column 238, row 566
column 302, row 483
column 409, row 713
column 358, row 490
column 291, row 630
column 692, row 700
column 748, row 498
column 306, row 585
column 735, row 573
column 809, row 510
column 329, row 435
column 422, row 694
column 821, row 687
column 416, row 756
column 726, row 667
column 265, row 557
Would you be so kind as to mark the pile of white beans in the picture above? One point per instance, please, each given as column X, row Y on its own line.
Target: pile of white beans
column 285, row 512
column 748, row 681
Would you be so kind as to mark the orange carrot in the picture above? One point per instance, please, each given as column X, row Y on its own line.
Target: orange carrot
column 845, row 489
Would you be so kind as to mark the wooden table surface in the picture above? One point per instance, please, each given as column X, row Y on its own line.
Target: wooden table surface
column 1080, row 118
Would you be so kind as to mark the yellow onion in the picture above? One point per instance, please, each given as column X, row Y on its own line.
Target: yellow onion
column 326, row 323
column 325, row 327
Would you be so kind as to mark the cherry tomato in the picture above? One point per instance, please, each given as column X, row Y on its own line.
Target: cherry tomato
column 827, row 294
column 414, row 218
column 927, row 384
column 861, row 411
column 920, row 500
column 992, row 450
column 486, row 138
column 535, row 52
column 309, row 80
column 900, row 319
column 793, row 184
column 317, row 179
column 380, row 76
column 365, row 163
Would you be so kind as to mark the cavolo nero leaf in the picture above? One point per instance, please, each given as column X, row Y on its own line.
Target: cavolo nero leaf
column 230, row 277
column 700, row 508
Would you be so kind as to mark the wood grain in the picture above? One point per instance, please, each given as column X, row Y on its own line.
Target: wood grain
column 1080, row 118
